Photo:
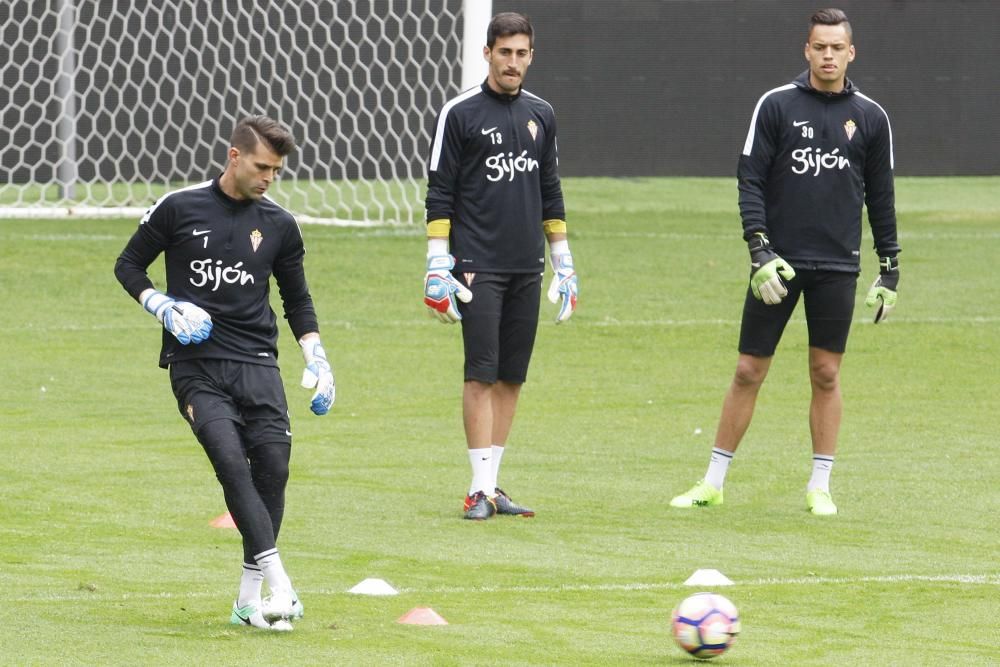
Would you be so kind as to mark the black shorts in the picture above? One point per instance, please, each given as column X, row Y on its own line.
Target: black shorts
column 251, row 395
column 499, row 325
column 829, row 301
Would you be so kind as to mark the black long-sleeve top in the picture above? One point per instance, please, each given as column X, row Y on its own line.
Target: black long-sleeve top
column 220, row 254
column 494, row 173
column 811, row 159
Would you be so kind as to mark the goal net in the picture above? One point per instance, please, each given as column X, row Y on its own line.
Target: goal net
column 106, row 105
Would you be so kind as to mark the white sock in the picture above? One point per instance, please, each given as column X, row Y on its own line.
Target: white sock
column 497, row 455
column 822, row 466
column 250, row 584
column 718, row 465
column 273, row 571
column 482, row 470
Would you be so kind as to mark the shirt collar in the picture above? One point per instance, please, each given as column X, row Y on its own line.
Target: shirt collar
column 501, row 97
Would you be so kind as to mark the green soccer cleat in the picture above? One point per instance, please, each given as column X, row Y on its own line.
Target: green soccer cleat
column 251, row 615
column 820, row 503
column 701, row 494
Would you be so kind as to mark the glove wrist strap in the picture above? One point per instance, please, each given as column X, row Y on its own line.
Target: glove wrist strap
column 312, row 349
column 156, row 304
column 440, row 262
column 888, row 265
column 760, row 249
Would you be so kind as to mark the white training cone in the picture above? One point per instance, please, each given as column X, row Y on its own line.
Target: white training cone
column 708, row 578
column 373, row 587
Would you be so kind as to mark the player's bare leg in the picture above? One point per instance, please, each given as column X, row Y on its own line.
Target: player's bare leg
column 477, row 414
column 503, row 399
column 737, row 411
column 740, row 400
column 826, row 407
column 825, row 412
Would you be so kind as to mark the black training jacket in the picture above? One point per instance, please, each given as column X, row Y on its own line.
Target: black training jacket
column 494, row 172
column 220, row 254
column 811, row 159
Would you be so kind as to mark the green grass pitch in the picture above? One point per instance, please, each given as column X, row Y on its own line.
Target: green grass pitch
column 106, row 555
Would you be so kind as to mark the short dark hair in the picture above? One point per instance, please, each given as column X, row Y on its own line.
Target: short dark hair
column 254, row 129
column 831, row 16
column 507, row 24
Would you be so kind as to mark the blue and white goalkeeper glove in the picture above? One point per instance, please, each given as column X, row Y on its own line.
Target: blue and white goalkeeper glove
column 563, row 289
column 883, row 291
column 186, row 321
column 767, row 270
column 318, row 375
column 441, row 288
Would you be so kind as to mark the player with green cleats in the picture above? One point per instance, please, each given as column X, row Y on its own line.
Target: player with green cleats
column 820, row 503
column 701, row 494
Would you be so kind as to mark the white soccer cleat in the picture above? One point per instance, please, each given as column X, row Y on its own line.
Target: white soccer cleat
column 282, row 605
column 251, row 615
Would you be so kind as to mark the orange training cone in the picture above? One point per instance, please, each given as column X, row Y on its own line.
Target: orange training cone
column 223, row 521
column 422, row 616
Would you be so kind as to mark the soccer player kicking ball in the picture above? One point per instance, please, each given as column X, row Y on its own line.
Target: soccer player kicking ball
column 222, row 241
column 493, row 197
column 817, row 151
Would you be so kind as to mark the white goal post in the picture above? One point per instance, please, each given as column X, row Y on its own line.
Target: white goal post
column 106, row 105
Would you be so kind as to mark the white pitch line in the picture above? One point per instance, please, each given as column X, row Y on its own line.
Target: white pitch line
column 948, row 236
column 726, row 236
column 606, row 322
column 363, row 229
column 612, row 322
column 978, row 579
column 67, row 237
column 968, row 579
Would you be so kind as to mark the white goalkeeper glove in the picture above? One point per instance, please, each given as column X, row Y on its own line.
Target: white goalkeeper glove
column 441, row 288
column 563, row 289
column 186, row 321
column 318, row 375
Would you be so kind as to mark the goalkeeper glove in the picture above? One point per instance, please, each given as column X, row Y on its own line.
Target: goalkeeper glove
column 767, row 270
column 441, row 288
column 186, row 321
column 563, row 289
column 318, row 375
column 883, row 290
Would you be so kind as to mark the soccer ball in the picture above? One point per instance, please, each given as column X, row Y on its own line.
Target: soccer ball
column 705, row 625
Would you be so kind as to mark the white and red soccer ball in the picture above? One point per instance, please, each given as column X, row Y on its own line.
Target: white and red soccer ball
column 705, row 625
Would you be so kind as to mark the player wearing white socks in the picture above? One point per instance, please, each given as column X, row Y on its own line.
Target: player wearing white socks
column 493, row 200
column 222, row 241
column 817, row 152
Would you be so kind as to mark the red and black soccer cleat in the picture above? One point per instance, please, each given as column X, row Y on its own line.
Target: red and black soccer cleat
column 479, row 507
column 507, row 506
